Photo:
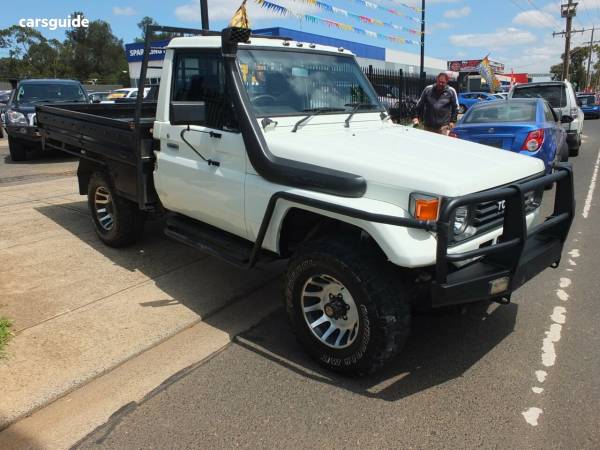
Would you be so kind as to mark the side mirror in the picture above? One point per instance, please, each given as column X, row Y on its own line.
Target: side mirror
column 188, row 113
column 97, row 100
column 566, row 119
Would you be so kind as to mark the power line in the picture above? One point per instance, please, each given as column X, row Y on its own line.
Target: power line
column 534, row 17
column 544, row 14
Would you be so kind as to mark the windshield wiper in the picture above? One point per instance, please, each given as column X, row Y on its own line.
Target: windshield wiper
column 315, row 112
column 356, row 107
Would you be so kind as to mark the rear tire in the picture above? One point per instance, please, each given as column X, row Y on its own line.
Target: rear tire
column 118, row 221
column 333, row 276
column 17, row 149
column 574, row 151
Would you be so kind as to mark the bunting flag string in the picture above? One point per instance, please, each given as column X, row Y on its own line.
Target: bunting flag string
column 412, row 8
column 371, row 5
column 281, row 10
column 335, row 10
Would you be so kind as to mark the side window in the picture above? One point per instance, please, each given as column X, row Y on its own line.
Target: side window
column 549, row 114
column 200, row 77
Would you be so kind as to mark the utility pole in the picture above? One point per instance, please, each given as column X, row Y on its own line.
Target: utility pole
column 588, row 81
column 567, row 11
column 204, row 14
column 422, row 69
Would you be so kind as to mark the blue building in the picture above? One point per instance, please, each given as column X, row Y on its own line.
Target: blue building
column 367, row 55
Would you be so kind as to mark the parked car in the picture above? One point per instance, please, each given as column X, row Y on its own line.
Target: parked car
column 468, row 99
column 526, row 126
column 561, row 96
column 125, row 93
column 4, row 98
column 23, row 134
column 302, row 163
column 98, row 97
column 589, row 105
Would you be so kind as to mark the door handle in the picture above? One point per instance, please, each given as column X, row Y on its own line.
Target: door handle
column 173, row 145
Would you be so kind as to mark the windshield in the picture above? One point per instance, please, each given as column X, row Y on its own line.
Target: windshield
column 51, row 92
column 283, row 82
column 555, row 94
column 501, row 112
column 588, row 100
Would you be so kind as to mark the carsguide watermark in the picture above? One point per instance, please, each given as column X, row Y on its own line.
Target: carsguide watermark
column 53, row 24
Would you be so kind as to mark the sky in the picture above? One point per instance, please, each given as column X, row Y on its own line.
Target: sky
column 517, row 33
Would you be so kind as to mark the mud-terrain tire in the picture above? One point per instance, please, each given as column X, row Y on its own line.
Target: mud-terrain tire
column 118, row 221
column 373, row 297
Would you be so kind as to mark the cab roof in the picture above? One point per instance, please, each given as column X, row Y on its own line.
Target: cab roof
column 255, row 41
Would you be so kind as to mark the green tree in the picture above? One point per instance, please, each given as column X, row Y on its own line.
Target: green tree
column 92, row 52
column 142, row 24
column 577, row 66
column 95, row 52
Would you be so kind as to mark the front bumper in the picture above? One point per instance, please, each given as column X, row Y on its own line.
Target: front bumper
column 25, row 132
column 519, row 256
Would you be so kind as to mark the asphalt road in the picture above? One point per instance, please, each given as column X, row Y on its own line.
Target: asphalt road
column 517, row 376
column 42, row 166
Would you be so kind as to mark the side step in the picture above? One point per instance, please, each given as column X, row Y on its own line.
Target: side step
column 208, row 239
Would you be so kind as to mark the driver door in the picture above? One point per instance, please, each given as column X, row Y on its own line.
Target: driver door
column 185, row 182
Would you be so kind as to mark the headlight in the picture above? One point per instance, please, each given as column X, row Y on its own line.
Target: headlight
column 533, row 200
column 461, row 220
column 16, row 117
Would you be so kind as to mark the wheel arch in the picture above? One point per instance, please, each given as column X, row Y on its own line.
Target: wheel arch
column 404, row 247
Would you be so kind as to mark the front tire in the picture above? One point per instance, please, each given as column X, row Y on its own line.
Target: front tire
column 345, row 306
column 17, row 149
column 118, row 221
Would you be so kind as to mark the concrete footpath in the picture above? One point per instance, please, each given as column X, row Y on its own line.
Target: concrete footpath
column 81, row 309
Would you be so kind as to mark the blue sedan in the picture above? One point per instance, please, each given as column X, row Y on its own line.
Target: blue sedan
column 468, row 99
column 589, row 106
column 526, row 126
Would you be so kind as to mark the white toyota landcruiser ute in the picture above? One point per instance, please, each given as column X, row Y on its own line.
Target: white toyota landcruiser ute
column 262, row 148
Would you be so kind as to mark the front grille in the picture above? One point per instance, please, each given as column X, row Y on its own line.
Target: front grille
column 488, row 214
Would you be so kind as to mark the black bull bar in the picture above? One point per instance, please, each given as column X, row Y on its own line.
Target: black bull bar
column 520, row 254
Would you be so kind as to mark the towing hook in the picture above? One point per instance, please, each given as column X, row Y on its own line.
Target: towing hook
column 502, row 300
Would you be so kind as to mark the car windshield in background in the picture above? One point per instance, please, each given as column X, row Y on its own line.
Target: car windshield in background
column 555, row 94
column 502, row 112
column 587, row 100
column 51, row 92
column 290, row 83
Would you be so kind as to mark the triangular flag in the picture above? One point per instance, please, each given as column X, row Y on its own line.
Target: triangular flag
column 240, row 18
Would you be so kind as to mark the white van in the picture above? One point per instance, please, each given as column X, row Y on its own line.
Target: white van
column 561, row 96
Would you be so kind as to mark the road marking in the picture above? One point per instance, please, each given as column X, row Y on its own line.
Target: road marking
column 590, row 194
column 541, row 375
column 564, row 282
column 532, row 415
column 548, row 348
column 553, row 335
column 558, row 315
